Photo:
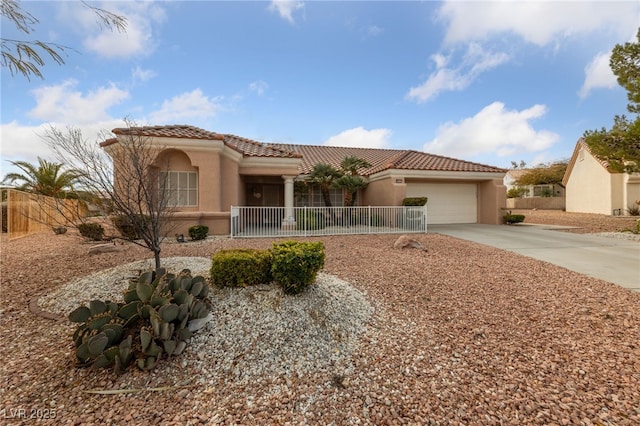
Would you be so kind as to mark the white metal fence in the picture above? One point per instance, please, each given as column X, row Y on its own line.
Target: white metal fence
column 311, row 221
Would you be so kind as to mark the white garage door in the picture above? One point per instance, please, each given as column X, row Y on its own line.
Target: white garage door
column 448, row 202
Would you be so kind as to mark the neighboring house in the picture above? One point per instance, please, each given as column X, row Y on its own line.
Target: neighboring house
column 543, row 197
column 213, row 172
column 548, row 190
column 591, row 187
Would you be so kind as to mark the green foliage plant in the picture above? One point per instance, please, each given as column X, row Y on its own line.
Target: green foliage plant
column 620, row 146
column 92, row 231
column 198, row 232
column 241, row 267
column 625, row 64
column 310, row 219
column 510, row 218
column 516, row 192
column 295, row 264
column 324, row 175
column 157, row 317
column 544, row 174
column 415, row 201
column 45, row 178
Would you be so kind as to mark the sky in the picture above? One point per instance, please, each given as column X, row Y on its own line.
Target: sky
column 482, row 81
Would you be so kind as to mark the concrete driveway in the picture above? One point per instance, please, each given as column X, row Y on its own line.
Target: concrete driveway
column 610, row 259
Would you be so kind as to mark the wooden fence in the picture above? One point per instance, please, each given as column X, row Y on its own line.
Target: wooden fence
column 25, row 214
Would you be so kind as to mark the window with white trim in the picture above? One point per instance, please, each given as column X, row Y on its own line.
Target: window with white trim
column 335, row 194
column 181, row 188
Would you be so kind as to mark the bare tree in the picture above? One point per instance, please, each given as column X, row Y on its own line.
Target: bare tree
column 128, row 173
column 27, row 57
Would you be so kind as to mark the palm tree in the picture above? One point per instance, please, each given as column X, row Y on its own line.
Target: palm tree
column 351, row 164
column 323, row 175
column 351, row 181
column 350, row 184
column 46, row 178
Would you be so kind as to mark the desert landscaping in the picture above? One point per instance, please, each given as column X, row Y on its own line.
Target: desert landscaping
column 459, row 334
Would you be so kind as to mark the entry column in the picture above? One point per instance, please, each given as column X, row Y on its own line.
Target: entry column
column 289, row 221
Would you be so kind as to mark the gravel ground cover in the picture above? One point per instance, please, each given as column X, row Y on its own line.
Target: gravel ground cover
column 460, row 334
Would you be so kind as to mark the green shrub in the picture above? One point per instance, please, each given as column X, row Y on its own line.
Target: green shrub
column 241, row 267
column 547, row 192
column 93, row 231
column 157, row 318
column 310, row 220
column 513, row 218
column 516, row 192
column 129, row 227
column 198, row 232
column 295, row 265
column 415, row 201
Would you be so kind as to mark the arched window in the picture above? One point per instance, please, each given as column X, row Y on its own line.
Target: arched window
column 177, row 179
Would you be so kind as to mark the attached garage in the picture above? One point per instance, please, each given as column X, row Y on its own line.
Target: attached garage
column 448, row 202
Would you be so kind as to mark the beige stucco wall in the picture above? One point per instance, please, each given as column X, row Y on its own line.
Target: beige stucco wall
column 633, row 190
column 492, row 199
column 230, row 185
column 589, row 187
column 384, row 192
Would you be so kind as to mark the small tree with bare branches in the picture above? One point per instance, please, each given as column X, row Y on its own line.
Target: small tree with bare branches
column 125, row 174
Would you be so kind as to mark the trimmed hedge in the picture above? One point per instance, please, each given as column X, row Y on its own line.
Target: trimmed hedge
column 415, row 201
column 292, row 265
column 296, row 264
column 241, row 267
column 513, row 218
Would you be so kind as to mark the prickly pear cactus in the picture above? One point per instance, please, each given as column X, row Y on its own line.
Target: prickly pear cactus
column 157, row 317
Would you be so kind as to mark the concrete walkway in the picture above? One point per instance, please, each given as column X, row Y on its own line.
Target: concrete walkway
column 610, row 259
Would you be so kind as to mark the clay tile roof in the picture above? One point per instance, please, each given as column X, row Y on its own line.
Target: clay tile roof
column 246, row 147
column 416, row 160
column 383, row 159
column 172, row 131
column 251, row 148
column 380, row 159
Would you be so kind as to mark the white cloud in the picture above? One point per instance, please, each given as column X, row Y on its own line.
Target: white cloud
column 493, row 130
column 185, row 107
column 286, row 8
column 373, row 31
column 24, row 142
column 258, row 87
column 360, row 137
column 537, row 22
column 63, row 104
column 474, row 62
column 141, row 75
column 138, row 38
column 598, row 74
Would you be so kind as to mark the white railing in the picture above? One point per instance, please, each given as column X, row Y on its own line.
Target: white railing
column 247, row 222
